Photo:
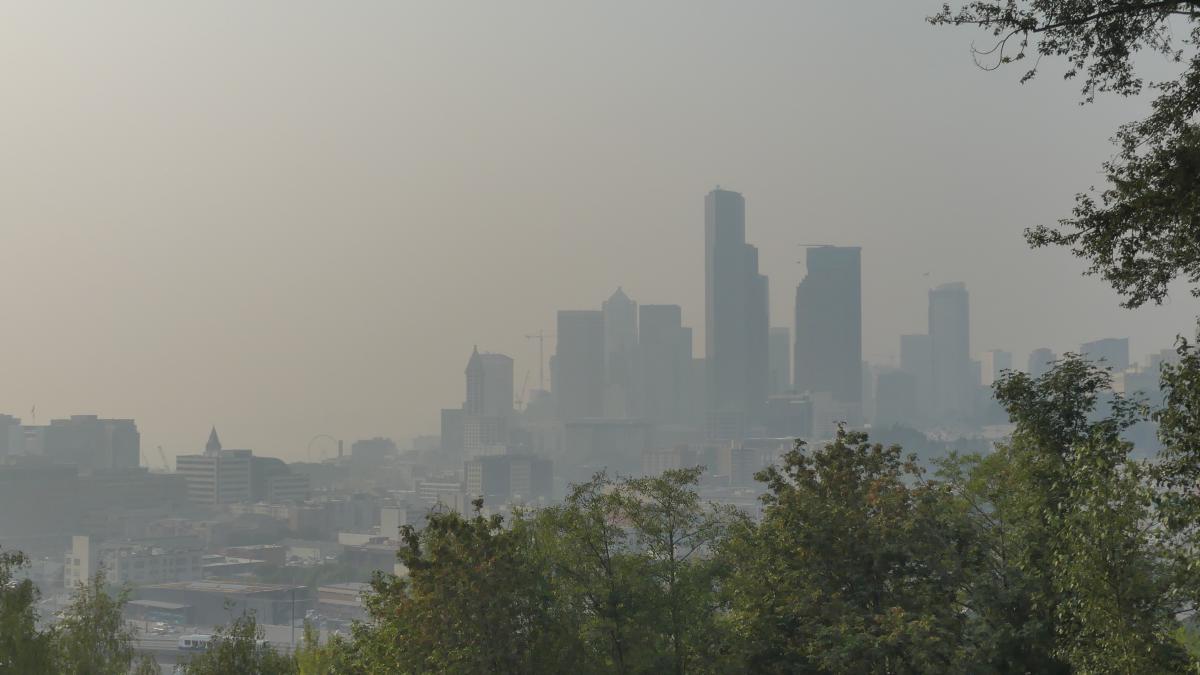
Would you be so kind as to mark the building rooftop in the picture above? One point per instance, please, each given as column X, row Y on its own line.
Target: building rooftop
column 218, row 586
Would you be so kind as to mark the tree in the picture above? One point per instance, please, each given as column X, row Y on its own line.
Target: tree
column 476, row 600
column 596, row 575
column 237, row 648
column 1077, row 580
column 23, row 649
column 1143, row 230
column 857, row 566
column 676, row 533
column 92, row 636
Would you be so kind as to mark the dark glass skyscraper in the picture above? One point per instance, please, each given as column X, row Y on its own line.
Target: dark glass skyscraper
column 829, row 324
column 736, row 317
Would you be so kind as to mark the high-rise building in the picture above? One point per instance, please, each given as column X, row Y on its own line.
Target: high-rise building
column 663, row 364
column 500, row 479
column 895, row 399
column 992, row 364
column 779, row 360
column 88, row 441
column 736, row 318
column 916, row 358
column 620, row 343
column 829, row 324
column 950, row 351
column 578, row 366
column 218, row 476
column 489, row 385
column 1109, row 353
column 1040, row 361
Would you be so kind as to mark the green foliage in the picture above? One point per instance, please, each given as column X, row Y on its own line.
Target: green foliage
column 1076, row 581
column 236, row 649
column 92, row 636
column 857, row 566
column 1143, row 230
column 475, row 600
column 23, row 649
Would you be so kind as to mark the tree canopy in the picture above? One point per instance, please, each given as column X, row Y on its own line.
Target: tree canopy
column 1141, row 231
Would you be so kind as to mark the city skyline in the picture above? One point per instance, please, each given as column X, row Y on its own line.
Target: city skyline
column 217, row 265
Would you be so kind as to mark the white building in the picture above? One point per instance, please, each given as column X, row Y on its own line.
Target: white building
column 133, row 561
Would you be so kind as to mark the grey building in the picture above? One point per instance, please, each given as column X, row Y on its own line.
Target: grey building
column 736, row 318
column 218, row 476
column 1040, row 361
column 489, row 385
column 829, row 324
column 895, row 399
column 1109, row 352
column 916, row 358
column 620, row 344
column 88, row 441
column 779, row 360
column 950, row 352
column 664, row 363
column 578, row 368
column 992, row 365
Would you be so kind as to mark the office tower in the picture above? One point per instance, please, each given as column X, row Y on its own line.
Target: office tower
column 779, row 360
column 88, row 441
column 992, row 364
column 489, row 403
column 736, row 318
column 829, row 324
column 895, row 399
column 503, row 479
column 1040, row 361
column 489, row 385
column 916, row 358
column 218, row 476
column 950, row 351
column 663, row 364
column 452, row 431
column 1109, row 353
column 620, row 343
column 578, row 367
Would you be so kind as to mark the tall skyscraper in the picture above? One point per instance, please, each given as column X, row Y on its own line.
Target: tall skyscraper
column 489, row 403
column 1039, row 361
column 579, row 365
column 620, row 342
column 489, row 384
column 736, row 318
column 663, row 364
column 992, row 364
column 829, row 324
column 950, row 351
column 779, row 360
column 1109, row 353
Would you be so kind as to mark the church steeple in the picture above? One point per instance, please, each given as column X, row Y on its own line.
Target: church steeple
column 214, row 443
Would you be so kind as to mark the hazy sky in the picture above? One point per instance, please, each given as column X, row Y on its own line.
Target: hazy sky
column 296, row 218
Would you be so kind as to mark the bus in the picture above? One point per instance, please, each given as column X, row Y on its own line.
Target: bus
column 203, row 643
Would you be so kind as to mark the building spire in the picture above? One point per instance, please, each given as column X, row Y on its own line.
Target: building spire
column 214, row 443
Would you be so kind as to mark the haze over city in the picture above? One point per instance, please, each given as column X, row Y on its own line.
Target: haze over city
column 292, row 219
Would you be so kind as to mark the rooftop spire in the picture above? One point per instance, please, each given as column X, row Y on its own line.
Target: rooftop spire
column 214, row 443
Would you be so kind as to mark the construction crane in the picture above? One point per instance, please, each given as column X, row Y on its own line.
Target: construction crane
column 541, row 336
column 163, row 456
